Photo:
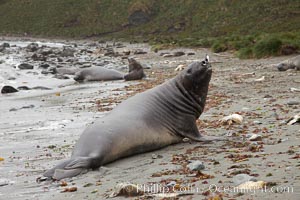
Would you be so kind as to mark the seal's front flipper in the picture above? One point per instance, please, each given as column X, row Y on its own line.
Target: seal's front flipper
column 67, row 173
column 193, row 133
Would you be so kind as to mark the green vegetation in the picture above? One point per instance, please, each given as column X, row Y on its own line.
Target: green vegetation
column 259, row 45
column 251, row 28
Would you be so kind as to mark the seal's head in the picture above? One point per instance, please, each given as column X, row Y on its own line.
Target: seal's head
column 195, row 78
column 134, row 65
column 79, row 77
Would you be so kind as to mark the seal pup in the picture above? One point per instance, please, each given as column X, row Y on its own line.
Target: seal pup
column 150, row 120
column 292, row 63
column 136, row 71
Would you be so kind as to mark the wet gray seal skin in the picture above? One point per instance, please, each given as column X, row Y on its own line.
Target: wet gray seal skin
column 292, row 63
column 136, row 71
column 97, row 74
column 148, row 121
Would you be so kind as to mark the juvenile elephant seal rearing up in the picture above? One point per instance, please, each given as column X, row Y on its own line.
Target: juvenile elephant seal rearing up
column 148, row 121
column 136, row 71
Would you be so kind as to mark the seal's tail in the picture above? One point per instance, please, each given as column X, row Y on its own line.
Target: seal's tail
column 69, row 168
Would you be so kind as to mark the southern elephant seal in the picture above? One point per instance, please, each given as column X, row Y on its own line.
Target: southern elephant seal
column 98, row 74
column 292, row 63
column 136, row 71
column 148, row 121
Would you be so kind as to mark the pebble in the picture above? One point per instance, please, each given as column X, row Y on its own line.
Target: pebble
column 257, row 122
column 254, row 143
column 44, row 66
column 154, row 156
column 295, row 90
column 25, row 66
column 282, row 122
column 139, row 51
column 293, row 102
column 255, row 137
column 6, row 45
column 242, row 178
column 190, row 53
column 231, row 134
column 196, row 165
column 178, row 53
column 167, row 55
column 4, row 182
column 288, row 168
column 171, row 184
column 179, row 68
column 67, row 52
column 245, row 108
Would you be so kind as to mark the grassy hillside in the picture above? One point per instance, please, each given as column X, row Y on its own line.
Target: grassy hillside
column 181, row 22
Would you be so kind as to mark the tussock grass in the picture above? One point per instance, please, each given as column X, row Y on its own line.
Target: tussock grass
column 251, row 28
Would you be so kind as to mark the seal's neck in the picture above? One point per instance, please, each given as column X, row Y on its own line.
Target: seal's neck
column 192, row 103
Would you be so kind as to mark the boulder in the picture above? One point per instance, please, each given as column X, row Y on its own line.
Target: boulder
column 8, row 89
column 32, row 47
column 25, row 66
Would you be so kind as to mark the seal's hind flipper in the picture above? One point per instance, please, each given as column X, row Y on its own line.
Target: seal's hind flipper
column 81, row 162
column 67, row 173
column 69, row 168
column 50, row 172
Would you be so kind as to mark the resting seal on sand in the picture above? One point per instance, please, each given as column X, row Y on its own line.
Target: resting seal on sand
column 98, row 74
column 148, row 121
column 136, row 71
column 292, row 63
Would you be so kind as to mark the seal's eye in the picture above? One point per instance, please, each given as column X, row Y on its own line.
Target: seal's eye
column 204, row 62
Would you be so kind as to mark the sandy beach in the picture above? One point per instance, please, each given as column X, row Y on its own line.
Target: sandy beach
column 38, row 128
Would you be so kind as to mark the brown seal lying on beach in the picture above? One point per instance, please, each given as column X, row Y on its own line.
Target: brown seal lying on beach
column 148, row 121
